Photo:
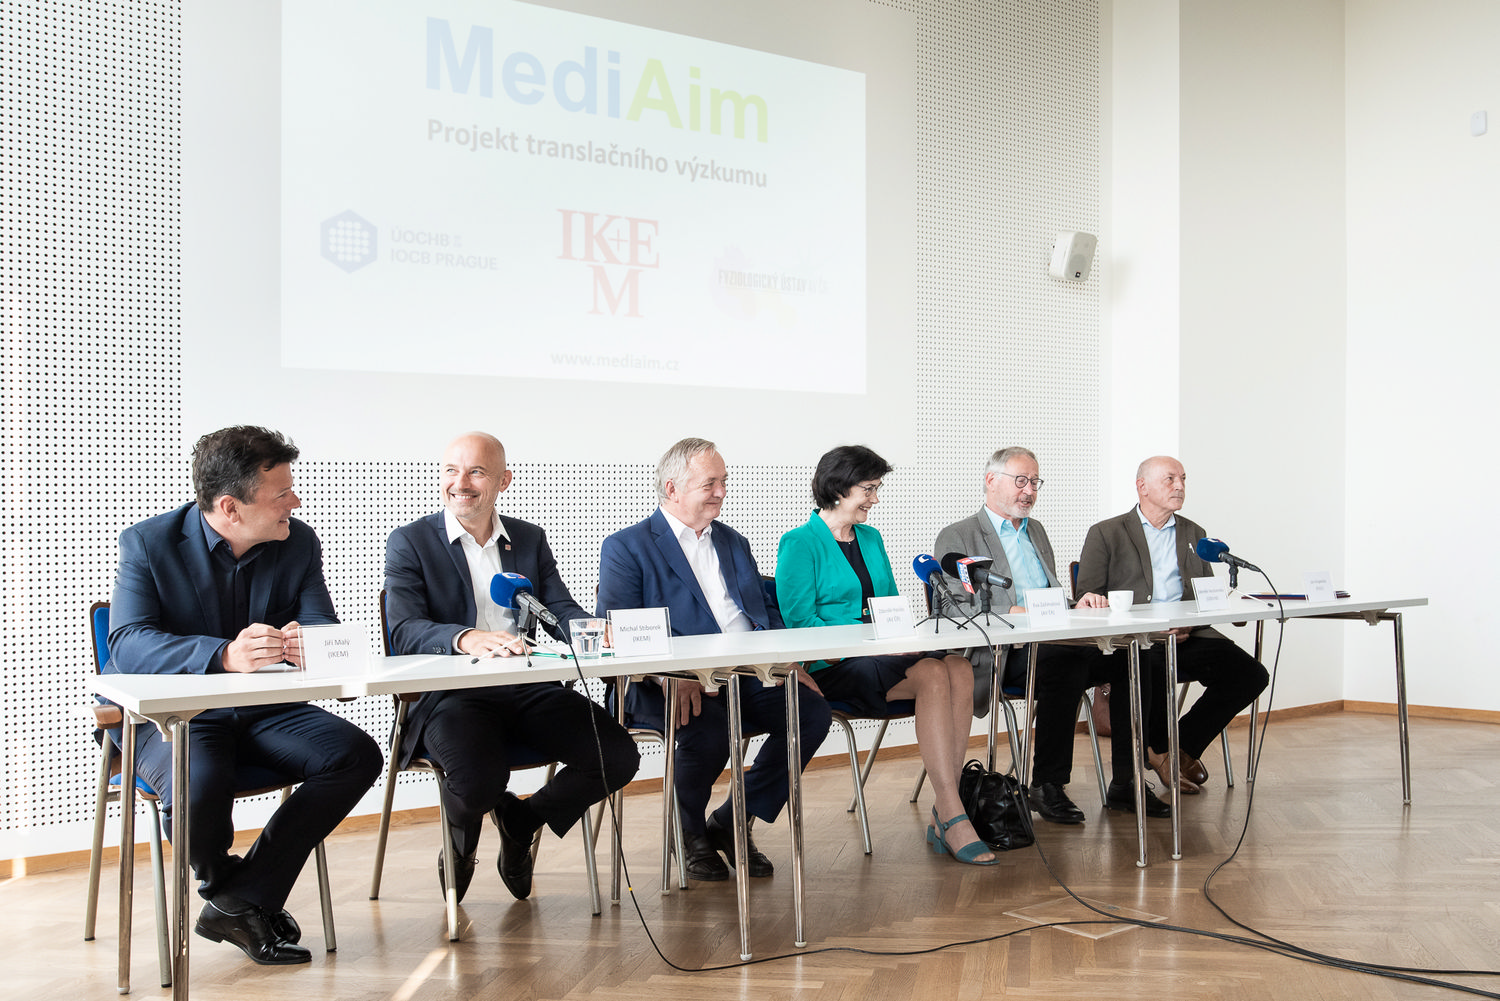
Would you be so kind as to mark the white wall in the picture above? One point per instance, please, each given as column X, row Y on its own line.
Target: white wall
column 1422, row 257
column 1262, row 364
column 1227, row 315
column 1302, row 230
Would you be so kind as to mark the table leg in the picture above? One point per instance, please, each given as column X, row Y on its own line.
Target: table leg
column 181, row 839
column 794, row 799
column 669, row 780
column 1023, row 767
column 995, row 697
column 1137, row 734
column 1395, row 618
column 737, row 802
column 127, row 845
column 1173, row 753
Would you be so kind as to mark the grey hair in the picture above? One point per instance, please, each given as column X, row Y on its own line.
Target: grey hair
column 674, row 463
column 999, row 459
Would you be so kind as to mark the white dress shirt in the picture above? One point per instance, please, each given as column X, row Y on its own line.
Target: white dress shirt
column 704, row 559
column 484, row 563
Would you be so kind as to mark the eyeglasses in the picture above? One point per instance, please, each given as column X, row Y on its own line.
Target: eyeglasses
column 870, row 489
column 1021, row 481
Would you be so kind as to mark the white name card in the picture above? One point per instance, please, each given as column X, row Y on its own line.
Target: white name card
column 641, row 632
column 334, row 651
column 1047, row 606
column 891, row 616
column 1319, row 585
column 1211, row 593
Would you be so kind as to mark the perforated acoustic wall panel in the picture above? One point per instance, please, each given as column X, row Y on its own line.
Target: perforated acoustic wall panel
column 1008, row 155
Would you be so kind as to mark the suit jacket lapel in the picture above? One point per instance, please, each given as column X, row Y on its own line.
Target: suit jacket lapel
column 261, row 579
column 1185, row 552
column 731, row 571
column 193, row 548
column 1137, row 537
column 460, row 563
column 671, row 551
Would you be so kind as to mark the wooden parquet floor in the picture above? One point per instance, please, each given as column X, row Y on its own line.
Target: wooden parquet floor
column 1331, row 861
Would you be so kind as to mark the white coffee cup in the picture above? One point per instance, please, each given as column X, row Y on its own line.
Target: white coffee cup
column 1120, row 601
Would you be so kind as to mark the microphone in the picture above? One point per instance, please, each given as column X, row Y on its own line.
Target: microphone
column 971, row 570
column 931, row 572
column 1217, row 551
column 513, row 590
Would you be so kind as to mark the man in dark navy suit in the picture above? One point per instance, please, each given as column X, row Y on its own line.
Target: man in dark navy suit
column 226, row 585
column 438, row 571
column 683, row 559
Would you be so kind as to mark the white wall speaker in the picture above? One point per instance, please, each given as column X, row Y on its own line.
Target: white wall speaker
column 1072, row 256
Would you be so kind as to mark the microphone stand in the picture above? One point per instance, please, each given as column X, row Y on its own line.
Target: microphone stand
column 938, row 599
column 525, row 624
column 985, row 600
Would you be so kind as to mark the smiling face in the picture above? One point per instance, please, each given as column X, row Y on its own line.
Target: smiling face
column 1002, row 496
column 854, row 507
column 1161, row 486
column 266, row 517
column 473, row 475
column 697, row 500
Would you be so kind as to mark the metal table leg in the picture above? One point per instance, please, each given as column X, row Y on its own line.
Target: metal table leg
column 1137, row 734
column 181, row 841
column 127, row 846
column 794, row 799
column 737, row 801
column 1173, row 751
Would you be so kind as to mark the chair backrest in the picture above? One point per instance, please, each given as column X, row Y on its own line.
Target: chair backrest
column 1073, row 578
column 99, row 633
column 385, row 627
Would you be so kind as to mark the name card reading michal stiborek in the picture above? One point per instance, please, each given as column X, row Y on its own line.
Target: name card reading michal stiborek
column 641, row 632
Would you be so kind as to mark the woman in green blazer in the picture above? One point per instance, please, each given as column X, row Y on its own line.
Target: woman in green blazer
column 826, row 573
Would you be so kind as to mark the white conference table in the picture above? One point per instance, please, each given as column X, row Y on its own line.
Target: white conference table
column 171, row 701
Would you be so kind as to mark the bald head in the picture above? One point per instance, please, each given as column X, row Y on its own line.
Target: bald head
column 1161, row 488
column 473, row 475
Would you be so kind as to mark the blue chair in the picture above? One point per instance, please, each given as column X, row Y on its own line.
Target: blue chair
column 250, row 780
column 525, row 758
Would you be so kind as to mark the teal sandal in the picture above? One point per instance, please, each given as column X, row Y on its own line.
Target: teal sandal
column 968, row 854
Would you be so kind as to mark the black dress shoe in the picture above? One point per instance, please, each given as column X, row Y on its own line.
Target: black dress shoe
column 702, row 858
column 722, row 838
column 285, row 926
column 463, row 874
column 1121, row 796
column 515, row 862
column 250, row 930
column 1051, row 802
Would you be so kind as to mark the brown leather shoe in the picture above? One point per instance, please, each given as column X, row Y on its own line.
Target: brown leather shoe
column 1192, row 768
column 1162, row 766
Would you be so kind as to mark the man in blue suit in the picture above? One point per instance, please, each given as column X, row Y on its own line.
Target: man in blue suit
column 438, row 571
column 682, row 559
column 226, row 585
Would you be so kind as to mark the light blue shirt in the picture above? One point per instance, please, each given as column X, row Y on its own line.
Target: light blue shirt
column 1166, row 579
column 1026, row 569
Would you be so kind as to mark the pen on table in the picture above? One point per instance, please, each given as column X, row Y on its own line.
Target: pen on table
column 496, row 652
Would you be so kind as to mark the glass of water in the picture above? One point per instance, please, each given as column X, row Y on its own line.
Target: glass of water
column 588, row 638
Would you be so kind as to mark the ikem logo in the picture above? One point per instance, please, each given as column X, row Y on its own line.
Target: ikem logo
column 348, row 241
column 615, row 249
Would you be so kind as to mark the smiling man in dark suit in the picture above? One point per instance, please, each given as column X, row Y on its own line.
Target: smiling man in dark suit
column 226, row 584
column 683, row 559
column 438, row 571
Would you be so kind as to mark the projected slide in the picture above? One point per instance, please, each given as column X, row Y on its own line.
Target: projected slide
column 497, row 188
